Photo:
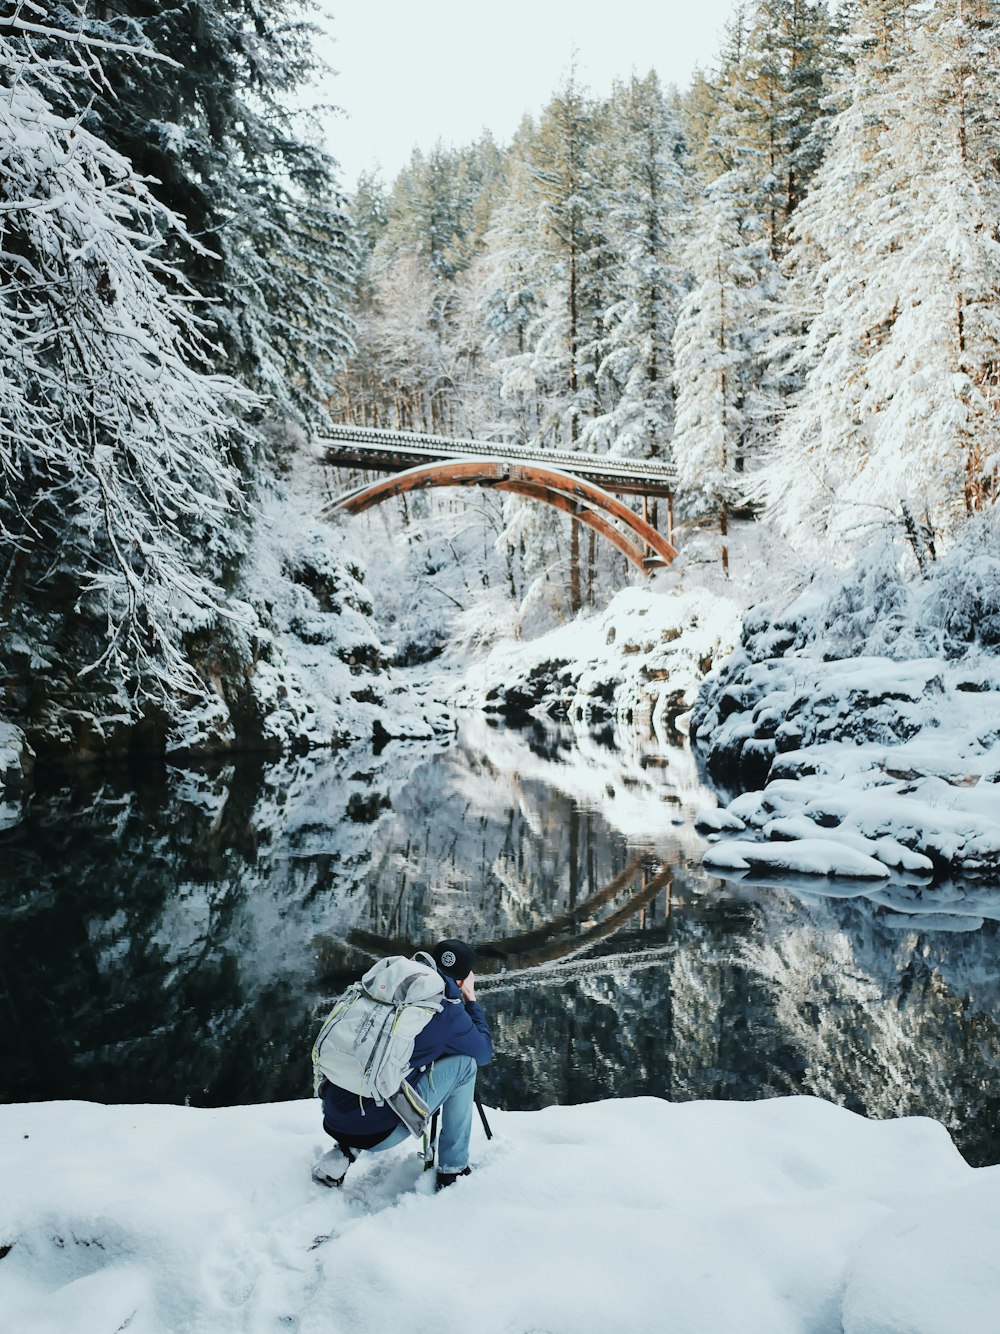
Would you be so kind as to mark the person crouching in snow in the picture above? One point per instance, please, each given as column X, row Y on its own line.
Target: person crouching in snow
column 447, row 1053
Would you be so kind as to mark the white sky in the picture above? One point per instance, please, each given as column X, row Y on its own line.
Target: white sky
column 411, row 73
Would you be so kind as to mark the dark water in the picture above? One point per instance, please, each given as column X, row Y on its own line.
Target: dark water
column 171, row 936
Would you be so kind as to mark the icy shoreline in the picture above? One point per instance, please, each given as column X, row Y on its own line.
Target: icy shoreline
column 859, row 724
column 865, row 725
column 638, row 663
column 774, row 1217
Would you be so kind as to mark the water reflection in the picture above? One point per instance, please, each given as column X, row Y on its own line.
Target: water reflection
column 170, row 935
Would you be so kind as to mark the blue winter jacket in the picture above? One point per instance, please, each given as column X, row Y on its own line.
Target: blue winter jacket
column 458, row 1029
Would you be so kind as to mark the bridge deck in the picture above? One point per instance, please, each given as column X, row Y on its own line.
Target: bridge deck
column 376, row 450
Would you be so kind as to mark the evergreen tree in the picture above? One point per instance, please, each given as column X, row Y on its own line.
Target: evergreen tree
column 764, row 112
column 720, row 351
column 707, row 100
column 214, row 129
column 419, row 241
column 565, row 195
column 562, row 183
column 642, row 192
column 439, row 205
column 510, row 276
column 897, row 414
column 117, row 496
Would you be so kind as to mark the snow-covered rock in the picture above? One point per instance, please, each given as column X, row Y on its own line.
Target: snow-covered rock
column 772, row 1217
column 639, row 661
column 805, row 856
column 895, row 754
column 16, row 761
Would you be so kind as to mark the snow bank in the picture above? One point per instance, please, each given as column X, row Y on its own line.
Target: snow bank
column 296, row 666
column 809, row 856
column 318, row 673
column 774, row 1217
column 640, row 659
column 894, row 755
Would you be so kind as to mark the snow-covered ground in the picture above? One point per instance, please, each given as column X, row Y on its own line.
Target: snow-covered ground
column 859, row 719
column 865, row 720
column 638, row 662
column 788, row 1216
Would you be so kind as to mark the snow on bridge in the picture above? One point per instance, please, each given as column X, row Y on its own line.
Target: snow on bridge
column 582, row 485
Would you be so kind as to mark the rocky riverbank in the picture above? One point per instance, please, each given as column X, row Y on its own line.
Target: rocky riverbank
column 297, row 666
column 637, row 664
column 861, row 725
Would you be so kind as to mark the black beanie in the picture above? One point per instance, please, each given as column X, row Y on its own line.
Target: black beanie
column 454, row 958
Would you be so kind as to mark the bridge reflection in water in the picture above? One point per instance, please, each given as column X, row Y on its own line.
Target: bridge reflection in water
column 173, row 936
column 627, row 895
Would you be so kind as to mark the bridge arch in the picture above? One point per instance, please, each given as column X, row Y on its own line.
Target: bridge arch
column 636, row 539
column 594, row 919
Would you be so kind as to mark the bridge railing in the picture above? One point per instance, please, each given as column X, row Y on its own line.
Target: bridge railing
column 414, row 444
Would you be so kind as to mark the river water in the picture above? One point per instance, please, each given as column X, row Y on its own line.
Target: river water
column 170, row 935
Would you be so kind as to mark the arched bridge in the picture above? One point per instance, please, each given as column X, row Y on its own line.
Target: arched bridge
column 582, row 485
column 601, row 914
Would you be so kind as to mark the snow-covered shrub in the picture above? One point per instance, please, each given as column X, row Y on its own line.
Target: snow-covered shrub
column 963, row 594
column 872, row 612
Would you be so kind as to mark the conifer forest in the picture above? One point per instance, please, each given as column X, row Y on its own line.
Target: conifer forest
column 782, row 279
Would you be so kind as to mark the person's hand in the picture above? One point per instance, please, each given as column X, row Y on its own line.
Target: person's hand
column 468, row 987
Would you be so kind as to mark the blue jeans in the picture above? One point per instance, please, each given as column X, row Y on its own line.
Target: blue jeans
column 450, row 1084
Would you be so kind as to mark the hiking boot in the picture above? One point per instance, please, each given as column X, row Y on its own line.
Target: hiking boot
column 449, row 1178
column 332, row 1168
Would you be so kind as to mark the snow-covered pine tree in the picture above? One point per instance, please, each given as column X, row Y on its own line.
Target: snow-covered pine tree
column 428, row 230
column 897, row 273
column 405, row 338
column 565, row 196
column 763, row 111
column 216, row 130
column 838, row 296
column 776, row 111
column 643, row 209
column 720, row 355
column 707, row 153
column 359, row 397
column 814, row 61
column 508, row 276
column 570, row 301
column 936, row 445
column 117, row 492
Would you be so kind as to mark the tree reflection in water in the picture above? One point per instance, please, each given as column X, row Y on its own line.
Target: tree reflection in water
column 168, row 935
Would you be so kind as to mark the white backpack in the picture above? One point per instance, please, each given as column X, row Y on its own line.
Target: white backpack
column 366, row 1043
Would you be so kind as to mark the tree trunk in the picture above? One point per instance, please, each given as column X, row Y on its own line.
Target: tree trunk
column 575, row 601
